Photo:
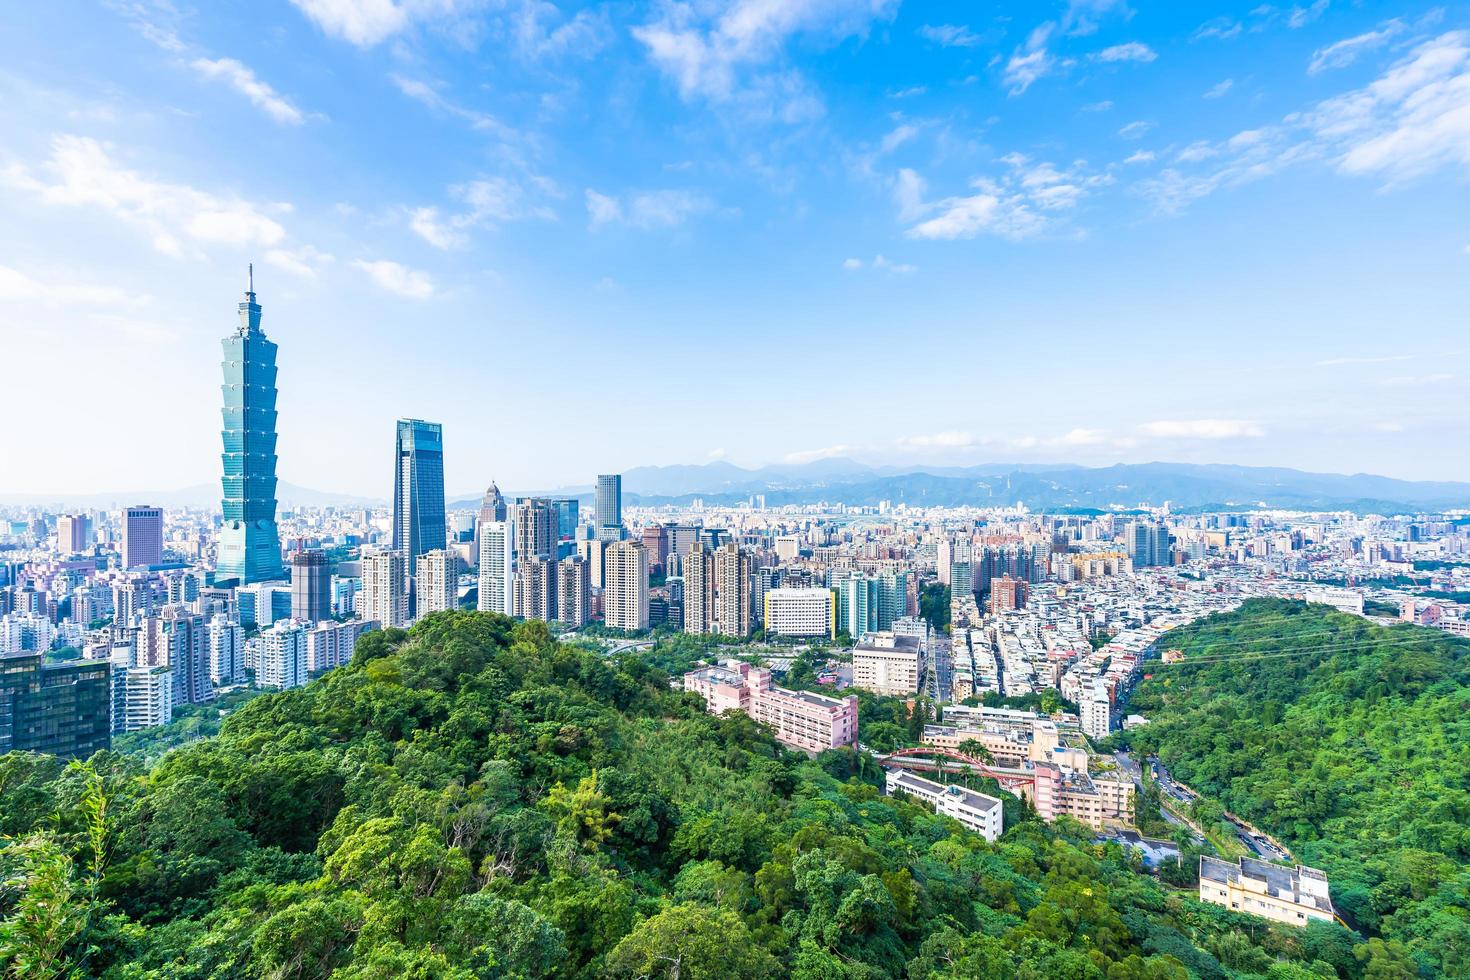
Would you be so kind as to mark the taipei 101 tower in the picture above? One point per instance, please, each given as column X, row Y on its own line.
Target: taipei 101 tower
column 249, row 544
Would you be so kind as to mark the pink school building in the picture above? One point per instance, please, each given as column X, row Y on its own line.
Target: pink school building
column 801, row 720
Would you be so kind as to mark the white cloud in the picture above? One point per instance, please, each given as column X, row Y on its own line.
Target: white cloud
column 1142, row 156
column 243, row 80
column 85, row 175
column 541, row 31
column 1135, row 130
column 812, row 455
column 898, row 136
column 396, row 278
column 1220, row 88
column 487, row 201
column 719, row 55
column 1345, row 52
column 369, row 22
column 1132, row 51
column 717, row 454
column 1016, row 205
column 19, row 287
column 646, row 209
column 1387, row 427
column 880, row 263
column 908, row 192
column 1102, row 106
column 951, row 35
column 1082, row 16
column 304, row 261
column 426, row 94
column 952, row 439
column 1222, row 28
column 852, row 264
column 1027, row 66
column 910, row 92
column 1302, row 16
column 1385, row 359
column 1203, row 429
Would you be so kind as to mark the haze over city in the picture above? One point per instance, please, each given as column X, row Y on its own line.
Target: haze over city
column 597, row 237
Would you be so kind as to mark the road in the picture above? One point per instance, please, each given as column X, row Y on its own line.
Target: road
column 1181, row 797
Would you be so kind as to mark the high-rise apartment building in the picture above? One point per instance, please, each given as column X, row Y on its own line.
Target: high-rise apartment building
column 418, row 493
column 384, row 595
column 1148, row 544
column 226, row 652
column 437, row 581
column 656, row 543
column 625, row 592
column 495, row 591
column 699, row 590
column 609, row 506
column 72, row 533
column 536, row 528
column 733, row 571
column 573, row 591
column 249, row 542
column 282, row 663
column 591, row 552
column 311, row 586
column 1007, row 594
column 534, row 592
column 60, row 709
column 175, row 637
column 142, row 537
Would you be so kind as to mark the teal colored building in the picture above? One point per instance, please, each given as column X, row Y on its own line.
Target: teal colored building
column 249, row 543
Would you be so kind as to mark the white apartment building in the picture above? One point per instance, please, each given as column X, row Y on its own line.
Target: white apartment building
column 331, row 644
column 384, row 588
column 496, row 541
column 982, row 814
column 282, row 662
column 1096, row 712
column 886, row 663
column 625, row 593
column 436, row 583
column 796, row 611
column 226, row 652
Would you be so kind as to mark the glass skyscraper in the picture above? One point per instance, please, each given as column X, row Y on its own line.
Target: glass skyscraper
column 609, row 507
column 249, row 543
column 418, row 490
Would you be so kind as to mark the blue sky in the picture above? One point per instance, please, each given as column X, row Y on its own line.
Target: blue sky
column 587, row 237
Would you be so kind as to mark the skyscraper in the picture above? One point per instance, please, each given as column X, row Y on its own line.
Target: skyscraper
column 733, row 569
column 437, row 581
column 495, row 568
column 71, row 533
column 142, row 537
column 60, row 709
column 536, row 528
column 610, row 506
column 625, row 595
column 699, row 590
column 492, row 509
column 418, row 492
column 573, row 586
column 249, row 543
column 311, row 586
column 534, row 590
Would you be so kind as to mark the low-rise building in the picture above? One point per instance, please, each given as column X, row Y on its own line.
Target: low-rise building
column 802, row 720
column 1290, row 895
column 887, row 663
column 1097, row 801
column 982, row 814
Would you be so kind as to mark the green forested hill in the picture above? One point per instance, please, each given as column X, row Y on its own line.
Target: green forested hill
column 473, row 800
column 1348, row 740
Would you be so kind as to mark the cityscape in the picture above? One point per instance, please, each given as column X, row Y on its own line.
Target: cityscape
column 1181, row 693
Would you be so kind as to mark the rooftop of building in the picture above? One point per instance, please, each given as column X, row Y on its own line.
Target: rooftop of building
column 1280, row 881
column 976, row 801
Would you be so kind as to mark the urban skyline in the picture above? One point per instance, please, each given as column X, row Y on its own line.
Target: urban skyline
column 1170, row 220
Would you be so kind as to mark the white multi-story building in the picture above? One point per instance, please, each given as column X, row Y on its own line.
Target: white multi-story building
column 384, row 588
column 496, row 541
column 1290, row 895
column 282, row 663
column 625, row 592
column 331, row 644
column 1096, row 711
column 797, row 611
column 437, row 582
column 226, row 652
column 982, row 814
column 887, row 663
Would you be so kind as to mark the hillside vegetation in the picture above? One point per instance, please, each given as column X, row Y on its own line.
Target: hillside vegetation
column 1347, row 740
column 472, row 799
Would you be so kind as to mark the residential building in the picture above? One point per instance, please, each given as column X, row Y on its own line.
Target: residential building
column 1007, row 594
column 625, row 592
column 73, row 533
column 802, row 720
column 733, row 573
column 330, row 644
column 656, row 543
column 1096, row 711
column 1097, row 801
column 384, row 595
column 536, row 528
column 699, row 590
column 142, row 537
column 311, row 586
column 495, row 587
column 982, row 814
column 885, row 663
column 534, row 592
column 61, row 709
column 437, row 581
column 1293, row 896
column 249, row 544
column 175, row 638
column 282, row 663
column 800, row 611
column 418, row 494
column 226, row 642
column 142, row 697
column 573, row 592
column 492, row 510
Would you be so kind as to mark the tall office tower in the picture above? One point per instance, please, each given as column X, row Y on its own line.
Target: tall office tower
column 384, row 588
column 568, row 515
column 625, row 595
column 961, row 578
column 226, row 652
column 175, row 638
column 573, row 589
column 311, row 586
column 492, row 509
column 282, row 663
column 733, row 570
column 536, row 528
column 72, row 531
column 418, row 492
column 249, row 543
column 438, row 581
column 699, row 590
column 610, row 506
column 61, row 708
column 1148, row 544
column 495, row 568
column 681, row 539
column 534, row 593
column 142, row 537
column 1158, row 547
column 656, row 542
